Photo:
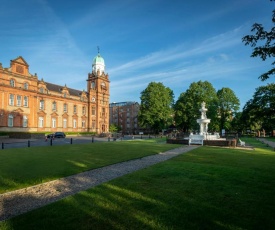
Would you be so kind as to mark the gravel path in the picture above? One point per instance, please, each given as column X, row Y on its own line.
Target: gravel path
column 23, row 200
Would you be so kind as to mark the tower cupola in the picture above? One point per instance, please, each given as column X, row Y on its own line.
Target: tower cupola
column 98, row 64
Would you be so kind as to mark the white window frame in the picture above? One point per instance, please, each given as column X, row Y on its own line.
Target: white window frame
column 10, row 120
column 11, row 99
column 12, row 82
column 53, row 123
column 64, row 123
column 18, row 100
column 54, row 106
column 42, row 105
column 74, row 123
column 26, row 85
column 25, row 121
column 41, row 122
column 26, row 101
column 65, row 108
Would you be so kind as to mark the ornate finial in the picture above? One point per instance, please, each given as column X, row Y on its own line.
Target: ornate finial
column 97, row 49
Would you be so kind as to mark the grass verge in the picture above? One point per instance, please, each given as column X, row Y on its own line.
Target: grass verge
column 207, row 188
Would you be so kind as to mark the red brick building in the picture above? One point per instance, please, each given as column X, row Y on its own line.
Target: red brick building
column 29, row 104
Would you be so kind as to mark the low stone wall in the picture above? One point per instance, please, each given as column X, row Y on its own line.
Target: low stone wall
column 177, row 141
column 223, row 143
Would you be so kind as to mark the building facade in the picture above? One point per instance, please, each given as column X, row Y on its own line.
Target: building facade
column 125, row 116
column 28, row 104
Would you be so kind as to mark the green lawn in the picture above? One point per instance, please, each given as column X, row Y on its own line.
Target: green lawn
column 24, row 167
column 207, row 188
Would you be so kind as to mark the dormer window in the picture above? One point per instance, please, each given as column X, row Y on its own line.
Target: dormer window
column 41, row 90
column 12, row 83
column 65, row 95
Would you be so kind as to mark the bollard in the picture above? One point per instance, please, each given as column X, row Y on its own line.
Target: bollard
column 29, row 143
column 108, row 138
column 141, row 136
column 92, row 139
column 71, row 141
column 2, row 145
column 51, row 141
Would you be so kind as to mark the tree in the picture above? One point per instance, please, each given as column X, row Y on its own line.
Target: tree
column 188, row 104
column 113, row 128
column 156, row 106
column 266, row 50
column 228, row 105
column 260, row 110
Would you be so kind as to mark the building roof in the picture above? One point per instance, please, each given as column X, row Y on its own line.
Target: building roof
column 98, row 59
column 58, row 88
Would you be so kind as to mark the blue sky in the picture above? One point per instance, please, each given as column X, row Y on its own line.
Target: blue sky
column 174, row 42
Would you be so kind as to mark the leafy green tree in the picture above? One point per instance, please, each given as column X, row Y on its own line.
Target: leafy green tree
column 248, row 118
column 228, row 106
column 260, row 110
column 267, row 50
column 236, row 123
column 113, row 128
column 188, row 104
column 156, row 106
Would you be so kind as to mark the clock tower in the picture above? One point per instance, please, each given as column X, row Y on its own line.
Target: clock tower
column 98, row 96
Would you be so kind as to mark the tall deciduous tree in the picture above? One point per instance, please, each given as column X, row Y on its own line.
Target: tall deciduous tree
column 260, row 110
column 156, row 106
column 228, row 106
column 188, row 104
column 267, row 50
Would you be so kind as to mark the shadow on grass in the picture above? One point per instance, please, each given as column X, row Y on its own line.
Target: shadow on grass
column 207, row 188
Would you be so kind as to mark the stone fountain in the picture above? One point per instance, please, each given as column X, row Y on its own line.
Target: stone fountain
column 203, row 135
column 203, row 121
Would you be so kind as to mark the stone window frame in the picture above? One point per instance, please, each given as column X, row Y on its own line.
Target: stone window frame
column 12, row 82
column 10, row 120
column 11, row 99
column 18, row 100
column 42, row 104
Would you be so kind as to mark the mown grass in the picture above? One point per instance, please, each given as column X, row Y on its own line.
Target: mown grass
column 207, row 188
column 25, row 167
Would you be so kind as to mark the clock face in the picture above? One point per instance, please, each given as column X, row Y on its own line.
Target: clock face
column 93, row 98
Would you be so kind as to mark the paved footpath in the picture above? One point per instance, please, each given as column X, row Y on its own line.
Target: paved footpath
column 270, row 143
column 23, row 200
